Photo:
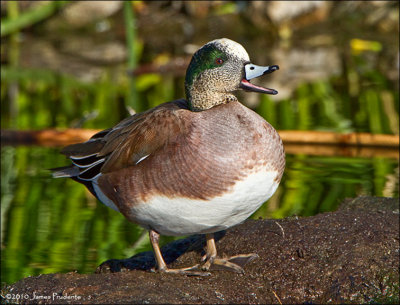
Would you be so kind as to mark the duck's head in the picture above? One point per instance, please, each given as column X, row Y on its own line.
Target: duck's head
column 219, row 68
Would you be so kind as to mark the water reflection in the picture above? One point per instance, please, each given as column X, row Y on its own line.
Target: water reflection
column 56, row 225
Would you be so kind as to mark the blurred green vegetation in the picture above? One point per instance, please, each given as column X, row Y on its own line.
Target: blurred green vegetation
column 62, row 101
column 55, row 225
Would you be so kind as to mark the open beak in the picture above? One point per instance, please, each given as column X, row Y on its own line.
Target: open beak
column 252, row 71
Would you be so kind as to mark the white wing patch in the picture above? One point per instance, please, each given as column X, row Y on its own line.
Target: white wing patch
column 103, row 198
column 141, row 159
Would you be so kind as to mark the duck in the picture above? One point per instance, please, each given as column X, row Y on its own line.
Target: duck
column 198, row 165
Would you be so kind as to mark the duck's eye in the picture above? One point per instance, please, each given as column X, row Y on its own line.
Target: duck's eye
column 219, row 61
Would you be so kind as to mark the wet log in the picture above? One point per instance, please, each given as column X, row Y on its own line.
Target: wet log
column 333, row 138
column 308, row 142
column 46, row 137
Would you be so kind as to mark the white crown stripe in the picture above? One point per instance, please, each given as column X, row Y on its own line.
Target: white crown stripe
column 231, row 47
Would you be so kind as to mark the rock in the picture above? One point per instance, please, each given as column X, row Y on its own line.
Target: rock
column 282, row 11
column 86, row 57
column 81, row 13
column 312, row 64
column 347, row 256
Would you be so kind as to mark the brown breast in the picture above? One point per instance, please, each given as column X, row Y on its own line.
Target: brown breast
column 219, row 147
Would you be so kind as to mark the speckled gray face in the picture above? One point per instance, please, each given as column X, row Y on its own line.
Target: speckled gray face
column 218, row 68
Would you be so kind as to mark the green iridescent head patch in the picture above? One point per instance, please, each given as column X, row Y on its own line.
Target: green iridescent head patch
column 204, row 59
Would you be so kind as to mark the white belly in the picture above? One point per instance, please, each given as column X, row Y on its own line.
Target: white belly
column 179, row 216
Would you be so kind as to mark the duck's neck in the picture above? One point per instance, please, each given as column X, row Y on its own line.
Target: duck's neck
column 203, row 99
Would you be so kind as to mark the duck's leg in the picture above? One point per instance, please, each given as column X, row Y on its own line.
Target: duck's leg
column 161, row 266
column 233, row 263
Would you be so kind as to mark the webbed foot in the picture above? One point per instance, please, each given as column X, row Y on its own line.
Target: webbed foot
column 233, row 263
